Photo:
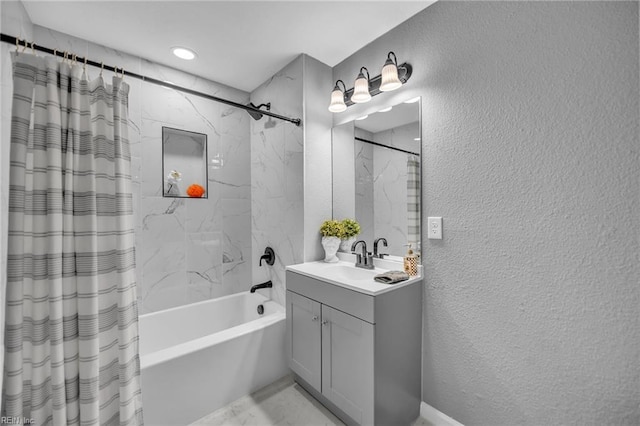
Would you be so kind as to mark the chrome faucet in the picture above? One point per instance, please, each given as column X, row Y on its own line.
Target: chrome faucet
column 375, row 248
column 364, row 259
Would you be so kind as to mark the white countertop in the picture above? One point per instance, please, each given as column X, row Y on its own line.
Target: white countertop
column 345, row 274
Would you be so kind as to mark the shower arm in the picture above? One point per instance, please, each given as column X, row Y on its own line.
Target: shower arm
column 17, row 42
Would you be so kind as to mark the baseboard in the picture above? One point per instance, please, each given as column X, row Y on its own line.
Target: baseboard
column 436, row 417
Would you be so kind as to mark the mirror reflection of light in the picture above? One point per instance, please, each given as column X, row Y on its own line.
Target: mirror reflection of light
column 363, row 117
column 412, row 100
column 386, row 109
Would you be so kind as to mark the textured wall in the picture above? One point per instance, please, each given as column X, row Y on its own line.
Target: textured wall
column 530, row 153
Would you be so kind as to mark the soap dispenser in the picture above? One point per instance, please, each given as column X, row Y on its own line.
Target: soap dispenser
column 411, row 262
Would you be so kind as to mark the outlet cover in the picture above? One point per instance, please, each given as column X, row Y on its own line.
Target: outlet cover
column 434, row 228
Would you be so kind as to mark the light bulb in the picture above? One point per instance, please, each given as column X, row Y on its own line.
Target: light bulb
column 337, row 100
column 361, row 90
column 390, row 80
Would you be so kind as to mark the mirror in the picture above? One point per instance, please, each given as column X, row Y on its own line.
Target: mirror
column 376, row 176
column 184, row 163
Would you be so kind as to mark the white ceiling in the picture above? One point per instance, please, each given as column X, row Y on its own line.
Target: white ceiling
column 239, row 43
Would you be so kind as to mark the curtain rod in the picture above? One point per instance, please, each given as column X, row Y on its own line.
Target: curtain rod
column 386, row 146
column 17, row 42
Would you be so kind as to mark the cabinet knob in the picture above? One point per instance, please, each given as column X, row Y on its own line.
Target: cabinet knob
column 315, row 318
column 325, row 322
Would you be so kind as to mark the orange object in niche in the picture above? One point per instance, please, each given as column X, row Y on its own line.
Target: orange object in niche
column 195, row 191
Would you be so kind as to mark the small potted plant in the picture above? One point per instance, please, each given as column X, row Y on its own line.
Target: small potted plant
column 332, row 231
column 350, row 230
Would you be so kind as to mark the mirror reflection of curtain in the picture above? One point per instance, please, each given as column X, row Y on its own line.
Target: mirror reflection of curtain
column 413, row 201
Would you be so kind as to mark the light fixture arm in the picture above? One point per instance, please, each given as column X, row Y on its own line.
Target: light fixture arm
column 368, row 77
column 344, row 86
column 395, row 59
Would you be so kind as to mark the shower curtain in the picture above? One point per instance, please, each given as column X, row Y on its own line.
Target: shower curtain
column 413, row 201
column 71, row 337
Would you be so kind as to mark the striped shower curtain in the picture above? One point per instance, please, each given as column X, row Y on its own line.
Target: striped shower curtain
column 413, row 201
column 71, row 337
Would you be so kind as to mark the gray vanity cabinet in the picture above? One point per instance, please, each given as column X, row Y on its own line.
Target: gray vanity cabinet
column 347, row 364
column 305, row 347
column 358, row 354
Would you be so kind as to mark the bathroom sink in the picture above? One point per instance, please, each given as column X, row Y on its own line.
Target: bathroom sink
column 350, row 272
column 345, row 274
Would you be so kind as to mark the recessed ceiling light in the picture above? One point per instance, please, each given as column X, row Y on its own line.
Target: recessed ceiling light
column 362, row 118
column 183, row 53
column 386, row 109
column 412, row 100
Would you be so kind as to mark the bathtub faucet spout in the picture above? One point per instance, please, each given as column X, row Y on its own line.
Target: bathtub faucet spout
column 268, row 284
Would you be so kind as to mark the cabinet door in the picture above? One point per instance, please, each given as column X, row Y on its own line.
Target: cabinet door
column 347, row 364
column 304, row 338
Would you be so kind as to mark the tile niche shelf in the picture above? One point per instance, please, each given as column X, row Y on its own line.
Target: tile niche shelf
column 184, row 164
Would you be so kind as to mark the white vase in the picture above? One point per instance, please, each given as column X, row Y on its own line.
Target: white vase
column 345, row 245
column 330, row 245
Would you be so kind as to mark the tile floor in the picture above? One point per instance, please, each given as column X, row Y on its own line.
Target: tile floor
column 282, row 403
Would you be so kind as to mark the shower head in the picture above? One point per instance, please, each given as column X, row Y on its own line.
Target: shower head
column 255, row 114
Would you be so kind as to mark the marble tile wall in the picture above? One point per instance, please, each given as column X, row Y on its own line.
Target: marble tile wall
column 364, row 207
column 390, row 185
column 381, row 186
column 187, row 250
column 318, row 122
column 277, row 163
column 194, row 249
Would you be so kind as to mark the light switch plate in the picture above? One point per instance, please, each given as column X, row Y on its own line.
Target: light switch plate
column 434, row 228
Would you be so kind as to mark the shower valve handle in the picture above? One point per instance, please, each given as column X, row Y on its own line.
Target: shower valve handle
column 269, row 256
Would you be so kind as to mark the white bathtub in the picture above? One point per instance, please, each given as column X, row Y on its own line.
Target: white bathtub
column 197, row 358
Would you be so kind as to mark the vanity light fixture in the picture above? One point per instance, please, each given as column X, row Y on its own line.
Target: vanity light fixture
column 393, row 76
column 390, row 80
column 183, row 53
column 337, row 98
column 387, row 109
column 361, row 88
